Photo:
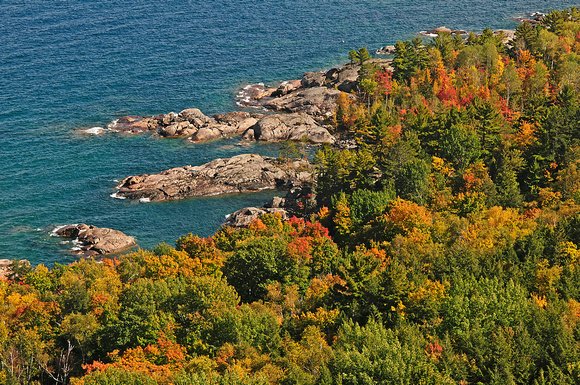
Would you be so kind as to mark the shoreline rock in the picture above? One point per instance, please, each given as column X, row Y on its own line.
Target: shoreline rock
column 294, row 127
column 190, row 122
column 314, row 94
column 197, row 127
column 5, row 268
column 94, row 240
column 435, row 31
column 293, row 204
column 238, row 174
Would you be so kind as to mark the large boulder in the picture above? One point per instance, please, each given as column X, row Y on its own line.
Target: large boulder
column 294, row 127
column 223, row 125
column 313, row 79
column 194, row 116
column 315, row 101
column 241, row 173
column 96, row 240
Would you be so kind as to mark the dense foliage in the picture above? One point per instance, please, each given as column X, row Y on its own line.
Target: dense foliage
column 444, row 248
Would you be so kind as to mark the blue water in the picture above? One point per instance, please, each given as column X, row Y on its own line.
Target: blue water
column 72, row 64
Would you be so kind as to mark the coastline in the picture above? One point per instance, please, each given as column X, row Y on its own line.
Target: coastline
column 93, row 130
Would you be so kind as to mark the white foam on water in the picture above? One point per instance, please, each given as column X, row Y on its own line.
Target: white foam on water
column 114, row 195
column 113, row 124
column 95, row 131
column 77, row 245
column 144, row 200
column 53, row 233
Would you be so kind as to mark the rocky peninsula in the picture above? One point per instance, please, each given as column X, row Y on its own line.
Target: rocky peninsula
column 238, row 174
column 294, row 110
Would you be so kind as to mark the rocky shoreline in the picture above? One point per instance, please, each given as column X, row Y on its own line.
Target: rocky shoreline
column 197, row 127
column 295, row 110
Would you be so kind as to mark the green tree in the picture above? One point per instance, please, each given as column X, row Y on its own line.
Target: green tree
column 412, row 182
column 410, row 56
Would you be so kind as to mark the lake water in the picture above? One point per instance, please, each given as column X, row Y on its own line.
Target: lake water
column 69, row 65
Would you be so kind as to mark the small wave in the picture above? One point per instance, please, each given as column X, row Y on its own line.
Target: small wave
column 144, row 200
column 114, row 195
column 20, row 229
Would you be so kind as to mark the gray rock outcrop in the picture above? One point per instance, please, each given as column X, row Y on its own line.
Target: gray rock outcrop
column 294, row 127
column 244, row 217
column 95, row 240
column 315, row 101
column 315, row 93
column 293, row 204
column 241, row 173
column 190, row 123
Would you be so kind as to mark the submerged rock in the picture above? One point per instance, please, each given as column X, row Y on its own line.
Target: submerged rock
column 241, row 173
column 95, row 240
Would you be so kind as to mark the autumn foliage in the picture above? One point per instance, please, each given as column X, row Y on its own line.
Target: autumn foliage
column 443, row 247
